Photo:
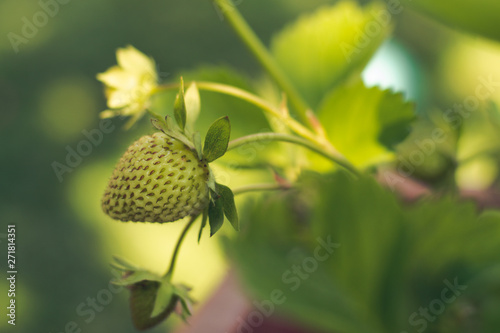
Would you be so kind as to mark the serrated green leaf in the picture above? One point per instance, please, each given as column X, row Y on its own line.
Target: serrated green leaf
column 215, row 216
column 343, row 249
column 203, row 223
column 480, row 17
column 229, row 207
column 365, row 124
column 180, row 113
column 322, row 48
column 217, row 139
column 193, row 106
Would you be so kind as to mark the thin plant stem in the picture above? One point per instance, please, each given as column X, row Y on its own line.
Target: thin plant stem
column 248, row 36
column 251, row 98
column 322, row 145
column 258, row 187
column 283, row 137
column 178, row 246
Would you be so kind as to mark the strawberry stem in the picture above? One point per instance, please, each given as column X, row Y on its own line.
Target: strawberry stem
column 250, row 98
column 171, row 268
column 261, row 53
column 332, row 155
column 259, row 187
column 314, row 141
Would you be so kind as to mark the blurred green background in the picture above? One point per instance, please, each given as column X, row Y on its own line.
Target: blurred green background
column 49, row 95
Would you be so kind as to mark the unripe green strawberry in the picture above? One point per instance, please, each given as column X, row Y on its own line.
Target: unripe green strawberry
column 158, row 179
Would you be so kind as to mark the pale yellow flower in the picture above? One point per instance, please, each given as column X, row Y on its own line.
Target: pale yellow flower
column 129, row 85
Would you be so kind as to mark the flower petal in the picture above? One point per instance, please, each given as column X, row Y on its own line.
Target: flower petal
column 109, row 114
column 120, row 98
column 118, row 78
column 134, row 61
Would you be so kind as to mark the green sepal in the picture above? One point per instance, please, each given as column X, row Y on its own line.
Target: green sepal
column 160, row 124
column 180, row 112
column 169, row 128
column 203, row 223
column 122, row 264
column 215, row 216
column 211, row 180
column 142, row 303
column 197, row 145
column 135, row 277
column 217, row 139
column 228, row 205
column 185, row 300
column 164, row 296
column 193, row 106
column 131, row 273
column 153, row 298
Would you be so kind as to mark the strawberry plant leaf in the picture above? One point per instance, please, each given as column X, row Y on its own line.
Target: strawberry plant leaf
column 320, row 49
column 229, row 207
column 215, row 216
column 193, row 105
column 480, row 17
column 180, row 113
column 365, row 124
column 217, row 139
column 374, row 259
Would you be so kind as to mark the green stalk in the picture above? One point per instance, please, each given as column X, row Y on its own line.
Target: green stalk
column 283, row 137
column 317, row 143
column 247, row 35
column 252, row 99
column 258, row 187
column 170, row 270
